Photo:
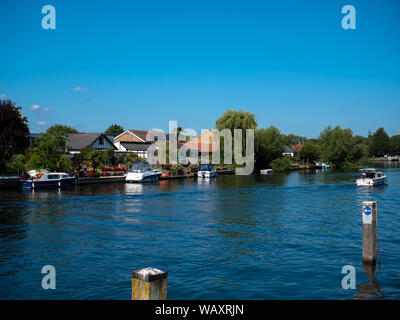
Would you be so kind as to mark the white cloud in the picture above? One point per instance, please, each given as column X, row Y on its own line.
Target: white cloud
column 35, row 107
column 80, row 89
column 3, row 96
column 46, row 109
column 42, row 123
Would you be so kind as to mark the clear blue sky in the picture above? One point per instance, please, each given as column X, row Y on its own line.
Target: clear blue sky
column 142, row 63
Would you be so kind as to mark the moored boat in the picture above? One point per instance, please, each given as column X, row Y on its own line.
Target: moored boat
column 322, row 165
column 142, row 172
column 371, row 177
column 266, row 171
column 206, row 170
column 43, row 179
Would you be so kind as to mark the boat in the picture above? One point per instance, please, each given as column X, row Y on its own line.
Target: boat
column 142, row 172
column 371, row 177
column 322, row 165
column 266, row 171
column 44, row 179
column 206, row 170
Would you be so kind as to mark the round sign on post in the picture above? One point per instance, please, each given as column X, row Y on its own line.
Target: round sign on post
column 367, row 210
column 367, row 215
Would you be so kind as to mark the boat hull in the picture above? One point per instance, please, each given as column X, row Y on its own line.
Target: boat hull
column 367, row 182
column 140, row 177
column 59, row 183
column 207, row 174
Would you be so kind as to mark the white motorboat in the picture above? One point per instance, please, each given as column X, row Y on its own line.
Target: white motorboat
column 206, row 170
column 142, row 172
column 371, row 177
column 266, row 171
column 44, row 179
column 322, row 165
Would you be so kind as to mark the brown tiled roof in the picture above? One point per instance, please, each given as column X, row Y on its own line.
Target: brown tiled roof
column 142, row 134
column 202, row 147
column 297, row 147
column 288, row 149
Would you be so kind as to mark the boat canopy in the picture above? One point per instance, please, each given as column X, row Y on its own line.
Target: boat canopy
column 140, row 166
column 368, row 170
column 205, row 167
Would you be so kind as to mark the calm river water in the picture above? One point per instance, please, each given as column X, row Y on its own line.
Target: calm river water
column 284, row 236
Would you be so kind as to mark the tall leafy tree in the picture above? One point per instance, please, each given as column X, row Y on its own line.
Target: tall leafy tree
column 61, row 130
column 268, row 146
column 48, row 153
column 380, row 143
column 14, row 131
column 310, row 152
column 232, row 119
column 394, row 145
column 338, row 146
column 114, row 130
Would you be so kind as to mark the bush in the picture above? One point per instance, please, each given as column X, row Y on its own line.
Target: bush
column 178, row 168
column 281, row 164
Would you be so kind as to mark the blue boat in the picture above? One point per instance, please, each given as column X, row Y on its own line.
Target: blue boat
column 44, row 179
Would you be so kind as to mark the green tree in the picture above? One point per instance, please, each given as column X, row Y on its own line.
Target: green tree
column 236, row 120
column 336, row 146
column 89, row 155
column 129, row 158
column 310, row 152
column 14, row 132
column 380, row 143
column 281, row 164
column 268, row 146
column 232, row 119
column 394, row 146
column 60, row 130
column 48, row 153
column 114, row 130
column 292, row 139
column 18, row 162
column 110, row 156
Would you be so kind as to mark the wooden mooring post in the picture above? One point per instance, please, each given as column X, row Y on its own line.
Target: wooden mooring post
column 149, row 284
column 369, row 219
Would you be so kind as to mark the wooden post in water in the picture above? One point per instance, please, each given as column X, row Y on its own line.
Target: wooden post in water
column 369, row 218
column 149, row 284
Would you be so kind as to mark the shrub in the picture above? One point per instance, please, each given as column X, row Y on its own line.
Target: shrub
column 281, row 164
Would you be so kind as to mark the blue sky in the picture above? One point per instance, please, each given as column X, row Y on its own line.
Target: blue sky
column 142, row 63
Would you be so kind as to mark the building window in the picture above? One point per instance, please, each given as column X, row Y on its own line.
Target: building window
column 101, row 141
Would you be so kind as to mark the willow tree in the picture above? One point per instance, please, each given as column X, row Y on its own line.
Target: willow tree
column 232, row 120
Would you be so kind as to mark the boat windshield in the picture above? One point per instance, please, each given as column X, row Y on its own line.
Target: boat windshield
column 204, row 167
column 140, row 167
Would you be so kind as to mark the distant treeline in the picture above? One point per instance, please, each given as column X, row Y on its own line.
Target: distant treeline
column 336, row 146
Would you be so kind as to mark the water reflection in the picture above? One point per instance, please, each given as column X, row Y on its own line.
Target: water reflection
column 278, row 235
column 133, row 188
column 369, row 290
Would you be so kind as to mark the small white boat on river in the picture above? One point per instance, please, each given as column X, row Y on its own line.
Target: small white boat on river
column 206, row 170
column 371, row 177
column 44, row 179
column 142, row 172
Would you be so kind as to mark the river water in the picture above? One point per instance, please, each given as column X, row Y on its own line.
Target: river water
column 284, row 236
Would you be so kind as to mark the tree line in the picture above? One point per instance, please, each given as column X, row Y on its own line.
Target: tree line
column 336, row 146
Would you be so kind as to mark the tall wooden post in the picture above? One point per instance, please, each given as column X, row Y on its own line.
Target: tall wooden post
column 149, row 284
column 369, row 219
